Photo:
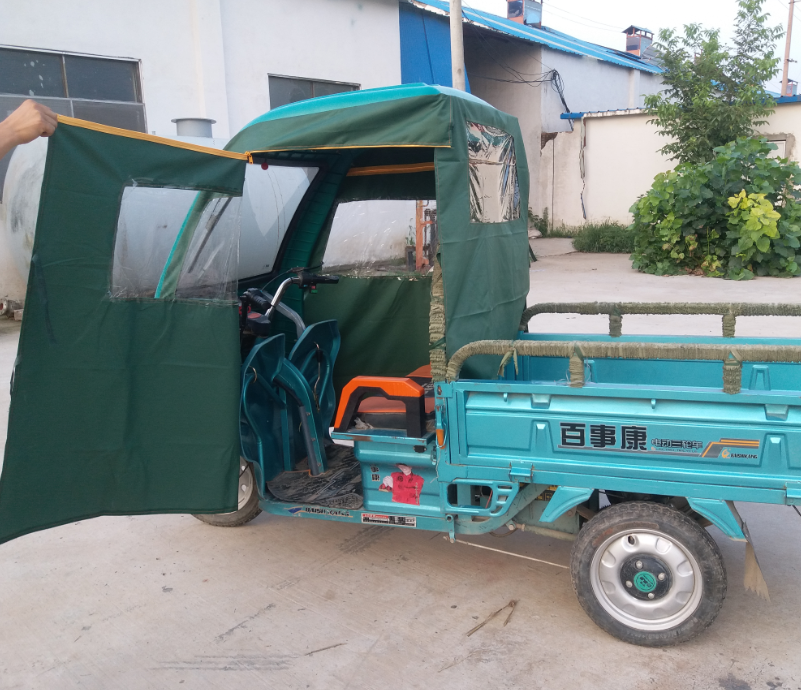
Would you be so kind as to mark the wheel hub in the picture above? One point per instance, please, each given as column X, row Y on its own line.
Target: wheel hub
column 246, row 484
column 646, row 580
column 645, row 577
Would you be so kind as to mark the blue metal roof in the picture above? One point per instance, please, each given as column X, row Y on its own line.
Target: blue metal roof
column 545, row 36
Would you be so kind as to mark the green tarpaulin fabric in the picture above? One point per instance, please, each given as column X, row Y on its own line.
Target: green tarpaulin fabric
column 484, row 265
column 383, row 322
column 118, row 406
column 485, row 268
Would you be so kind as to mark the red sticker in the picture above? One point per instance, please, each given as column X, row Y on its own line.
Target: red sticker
column 406, row 488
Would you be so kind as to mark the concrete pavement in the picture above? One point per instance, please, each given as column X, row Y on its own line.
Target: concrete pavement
column 169, row 602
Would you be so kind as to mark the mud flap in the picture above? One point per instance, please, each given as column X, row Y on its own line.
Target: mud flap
column 753, row 578
column 724, row 515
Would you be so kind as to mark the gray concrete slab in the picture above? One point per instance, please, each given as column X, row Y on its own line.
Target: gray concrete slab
column 552, row 246
column 610, row 278
column 169, row 602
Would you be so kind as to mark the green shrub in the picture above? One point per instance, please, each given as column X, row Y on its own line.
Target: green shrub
column 717, row 219
column 604, row 237
column 563, row 231
column 541, row 223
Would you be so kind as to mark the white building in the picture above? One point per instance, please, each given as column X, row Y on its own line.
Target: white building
column 611, row 159
column 206, row 58
column 532, row 72
column 141, row 65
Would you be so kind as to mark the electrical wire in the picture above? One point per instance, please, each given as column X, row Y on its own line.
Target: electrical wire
column 589, row 26
column 552, row 76
column 551, row 7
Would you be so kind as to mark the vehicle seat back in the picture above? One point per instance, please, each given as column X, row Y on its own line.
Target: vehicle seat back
column 279, row 419
column 262, row 408
column 314, row 356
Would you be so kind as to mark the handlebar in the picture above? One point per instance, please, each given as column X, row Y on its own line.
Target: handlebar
column 257, row 300
column 305, row 279
column 254, row 300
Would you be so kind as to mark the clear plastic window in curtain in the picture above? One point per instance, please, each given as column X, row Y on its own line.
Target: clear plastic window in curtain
column 149, row 223
column 382, row 237
column 211, row 263
column 494, row 188
column 271, row 197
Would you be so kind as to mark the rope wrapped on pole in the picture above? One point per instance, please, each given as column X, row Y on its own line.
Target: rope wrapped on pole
column 577, row 351
column 576, row 367
column 616, row 310
column 436, row 325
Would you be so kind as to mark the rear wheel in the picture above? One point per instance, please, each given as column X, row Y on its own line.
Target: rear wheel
column 648, row 574
column 248, row 501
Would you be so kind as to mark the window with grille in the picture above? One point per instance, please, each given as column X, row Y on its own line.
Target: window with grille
column 102, row 90
column 284, row 90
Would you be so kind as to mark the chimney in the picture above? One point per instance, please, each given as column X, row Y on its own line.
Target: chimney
column 792, row 88
column 528, row 12
column 193, row 127
column 638, row 40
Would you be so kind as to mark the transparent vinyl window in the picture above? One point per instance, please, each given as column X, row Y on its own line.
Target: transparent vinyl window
column 150, row 222
column 382, row 237
column 494, row 188
column 270, row 198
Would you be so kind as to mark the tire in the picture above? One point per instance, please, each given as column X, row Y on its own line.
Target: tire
column 248, row 506
column 648, row 574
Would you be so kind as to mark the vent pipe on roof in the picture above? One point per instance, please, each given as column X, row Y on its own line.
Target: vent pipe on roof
column 638, row 40
column 528, row 12
column 193, row 127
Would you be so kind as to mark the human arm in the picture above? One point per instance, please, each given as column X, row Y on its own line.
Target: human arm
column 27, row 122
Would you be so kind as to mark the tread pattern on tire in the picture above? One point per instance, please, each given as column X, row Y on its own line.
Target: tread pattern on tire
column 649, row 516
column 237, row 518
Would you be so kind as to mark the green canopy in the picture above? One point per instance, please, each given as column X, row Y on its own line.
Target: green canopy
column 125, row 394
column 484, row 257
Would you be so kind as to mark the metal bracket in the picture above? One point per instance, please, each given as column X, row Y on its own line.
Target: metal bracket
column 722, row 514
column 521, row 472
column 793, row 493
column 563, row 499
column 451, row 528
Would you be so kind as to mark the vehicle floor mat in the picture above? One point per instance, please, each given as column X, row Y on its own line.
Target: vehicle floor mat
column 340, row 486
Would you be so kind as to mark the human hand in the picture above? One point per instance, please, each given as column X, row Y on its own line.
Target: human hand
column 27, row 122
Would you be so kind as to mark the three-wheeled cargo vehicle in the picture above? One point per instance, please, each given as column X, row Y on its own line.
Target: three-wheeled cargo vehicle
column 374, row 369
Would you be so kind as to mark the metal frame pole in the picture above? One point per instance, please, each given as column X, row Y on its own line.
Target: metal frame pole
column 786, row 68
column 457, row 46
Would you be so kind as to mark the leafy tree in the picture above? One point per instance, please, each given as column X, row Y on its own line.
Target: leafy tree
column 738, row 216
column 714, row 94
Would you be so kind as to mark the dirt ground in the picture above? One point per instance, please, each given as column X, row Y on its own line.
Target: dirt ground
column 169, row 602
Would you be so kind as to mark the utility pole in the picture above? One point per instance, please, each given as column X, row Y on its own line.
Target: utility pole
column 786, row 48
column 457, row 45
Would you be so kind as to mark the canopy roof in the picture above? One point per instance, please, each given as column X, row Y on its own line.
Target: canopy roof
column 408, row 115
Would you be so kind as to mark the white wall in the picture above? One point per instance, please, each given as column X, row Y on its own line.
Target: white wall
column 622, row 158
column 560, row 161
column 591, row 85
column 182, row 68
column 621, row 162
column 211, row 58
column 335, row 40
